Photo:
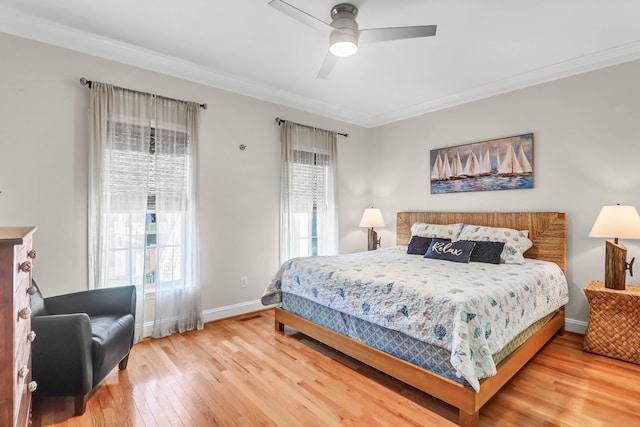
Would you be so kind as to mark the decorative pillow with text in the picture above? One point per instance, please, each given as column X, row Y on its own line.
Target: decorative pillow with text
column 459, row 251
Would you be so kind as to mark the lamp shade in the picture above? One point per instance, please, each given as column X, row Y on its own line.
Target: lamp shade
column 618, row 221
column 372, row 217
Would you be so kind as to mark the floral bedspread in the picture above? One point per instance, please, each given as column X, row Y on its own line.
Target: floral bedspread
column 473, row 310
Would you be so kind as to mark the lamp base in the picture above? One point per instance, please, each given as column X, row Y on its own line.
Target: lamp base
column 373, row 240
column 615, row 272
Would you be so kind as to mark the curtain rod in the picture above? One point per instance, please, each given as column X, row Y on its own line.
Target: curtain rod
column 87, row 83
column 280, row 121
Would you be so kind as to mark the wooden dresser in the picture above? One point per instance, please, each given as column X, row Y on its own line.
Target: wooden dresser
column 16, row 385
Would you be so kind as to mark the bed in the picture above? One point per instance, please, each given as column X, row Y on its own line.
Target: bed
column 474, row 382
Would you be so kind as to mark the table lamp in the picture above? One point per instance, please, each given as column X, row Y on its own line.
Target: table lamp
column 617, row 221
column 372, row 217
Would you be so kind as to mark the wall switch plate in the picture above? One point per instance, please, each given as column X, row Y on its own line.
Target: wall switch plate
column 244, row 281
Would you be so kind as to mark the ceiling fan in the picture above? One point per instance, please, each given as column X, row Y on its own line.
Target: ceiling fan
column 344, row 33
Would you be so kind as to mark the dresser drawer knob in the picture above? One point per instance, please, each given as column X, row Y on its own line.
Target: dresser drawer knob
column 32, row 254
column 31, row 336
column 32, row 386
column 25, row 267
column 25, row 313
column 23, row 372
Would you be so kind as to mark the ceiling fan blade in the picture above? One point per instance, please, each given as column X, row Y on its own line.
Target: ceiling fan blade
column 327, row 65
column 300, row 15
column 396, row 33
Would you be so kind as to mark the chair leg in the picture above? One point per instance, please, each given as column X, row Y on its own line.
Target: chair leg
column 123, row 363
column 80, row 403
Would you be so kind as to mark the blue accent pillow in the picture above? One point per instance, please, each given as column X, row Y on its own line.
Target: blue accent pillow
column 419, row 245
column 488, row 252
column 459, row 251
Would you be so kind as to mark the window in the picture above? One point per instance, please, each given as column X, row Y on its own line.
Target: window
column 310, row 172
column 308, row 221
column 133, row 240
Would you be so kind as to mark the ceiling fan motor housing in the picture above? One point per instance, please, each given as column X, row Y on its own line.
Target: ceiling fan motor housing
column 344, row 7
column 344, row 18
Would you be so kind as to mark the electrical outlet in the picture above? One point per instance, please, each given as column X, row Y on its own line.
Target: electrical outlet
column 244, row 281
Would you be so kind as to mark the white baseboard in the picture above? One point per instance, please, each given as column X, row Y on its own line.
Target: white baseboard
column 570, row 325
column 220, row 313
column 577, row 326
column 233, row 310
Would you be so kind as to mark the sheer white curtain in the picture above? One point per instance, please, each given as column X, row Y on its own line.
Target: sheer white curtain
column 142, row 165
column 308, row 199
column 177, row 303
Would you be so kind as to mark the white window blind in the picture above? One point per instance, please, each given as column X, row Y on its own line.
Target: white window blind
column 309, row 172
column 166, row 163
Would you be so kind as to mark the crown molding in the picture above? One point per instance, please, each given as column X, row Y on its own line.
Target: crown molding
column 41, row 30
column 578, row 65
column 29, row 27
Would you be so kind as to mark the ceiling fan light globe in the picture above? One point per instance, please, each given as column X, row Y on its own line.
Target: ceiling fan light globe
column 343, row 43
column 343, row 49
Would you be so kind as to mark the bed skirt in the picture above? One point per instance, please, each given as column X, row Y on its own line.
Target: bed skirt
column 428, row 356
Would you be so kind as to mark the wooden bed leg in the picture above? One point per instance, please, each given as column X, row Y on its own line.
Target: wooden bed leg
column 468, row 420
column 279, row 326
column 562, row 328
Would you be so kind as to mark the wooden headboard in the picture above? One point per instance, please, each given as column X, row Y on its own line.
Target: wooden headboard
column 547, row 230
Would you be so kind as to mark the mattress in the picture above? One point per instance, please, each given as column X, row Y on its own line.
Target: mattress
column 470, row 310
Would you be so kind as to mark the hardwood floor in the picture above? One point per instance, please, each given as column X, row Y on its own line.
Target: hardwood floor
column 240, row 372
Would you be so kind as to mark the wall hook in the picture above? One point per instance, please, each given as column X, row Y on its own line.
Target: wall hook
column 242, row 147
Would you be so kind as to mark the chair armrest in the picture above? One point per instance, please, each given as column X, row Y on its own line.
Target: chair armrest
column 61, row 354
column 95, row 302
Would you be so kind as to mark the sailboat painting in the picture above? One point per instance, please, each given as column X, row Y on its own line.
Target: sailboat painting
column 498, row 164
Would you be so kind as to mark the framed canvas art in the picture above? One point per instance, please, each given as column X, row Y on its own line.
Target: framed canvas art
column 498, row 164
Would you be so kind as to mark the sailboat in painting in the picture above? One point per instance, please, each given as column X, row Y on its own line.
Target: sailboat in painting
column 457, row 171
column 436, row 168
column 485, row 164
column 510, row 165
column 515, row 164
column 524, row 162
column 472, row 166
column 441, row 169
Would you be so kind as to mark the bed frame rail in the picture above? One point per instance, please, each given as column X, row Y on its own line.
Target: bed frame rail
column 464, row 398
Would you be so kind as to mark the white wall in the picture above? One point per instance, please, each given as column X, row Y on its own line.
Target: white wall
column 586, row 154
column 43, row 171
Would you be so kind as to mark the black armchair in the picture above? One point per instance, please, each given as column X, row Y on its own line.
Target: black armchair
column 81, row 337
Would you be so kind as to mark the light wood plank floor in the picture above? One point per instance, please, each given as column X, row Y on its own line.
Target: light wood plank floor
column 240, row 372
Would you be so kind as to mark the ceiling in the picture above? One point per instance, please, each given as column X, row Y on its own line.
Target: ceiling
column 481, row 48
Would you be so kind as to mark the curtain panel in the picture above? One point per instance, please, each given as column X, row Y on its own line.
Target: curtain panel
column 308, row 199
column 142, row 185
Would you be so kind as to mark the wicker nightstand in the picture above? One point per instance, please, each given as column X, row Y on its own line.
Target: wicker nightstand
column 613, row 324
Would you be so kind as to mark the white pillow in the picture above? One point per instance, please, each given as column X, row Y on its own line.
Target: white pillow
column 441, row 231
column 516, row 242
